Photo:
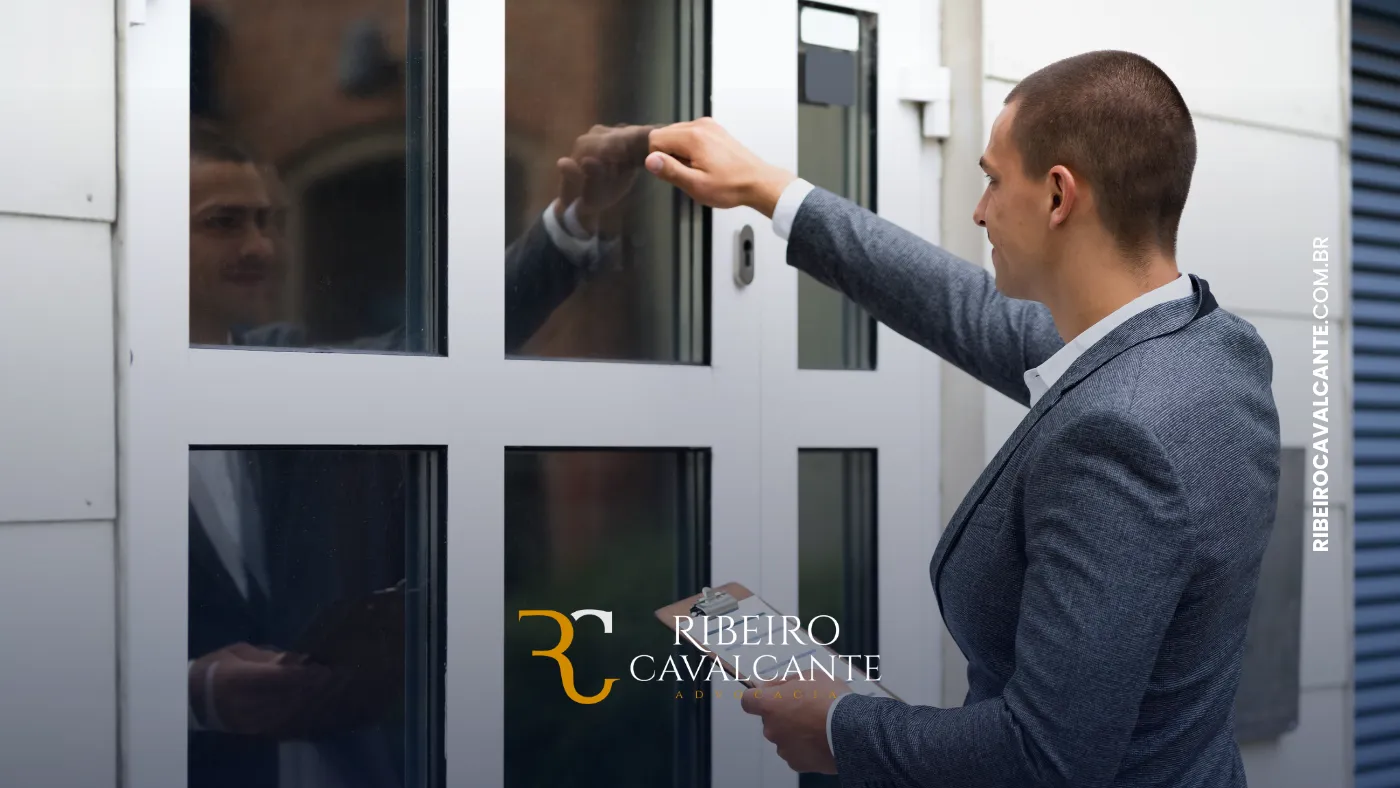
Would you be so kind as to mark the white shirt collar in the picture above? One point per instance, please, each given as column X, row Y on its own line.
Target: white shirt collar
column 1040, row 379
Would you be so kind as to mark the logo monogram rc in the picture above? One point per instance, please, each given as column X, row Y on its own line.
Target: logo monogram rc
column 566, row 638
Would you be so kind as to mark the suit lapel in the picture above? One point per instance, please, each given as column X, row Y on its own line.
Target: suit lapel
column 1155, row 322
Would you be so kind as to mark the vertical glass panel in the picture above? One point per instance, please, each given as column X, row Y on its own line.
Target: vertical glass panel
column 836, row 151
column 622, row 531
column 602, row 262
column 313, row 205
column 836, row 553
column 315, row 618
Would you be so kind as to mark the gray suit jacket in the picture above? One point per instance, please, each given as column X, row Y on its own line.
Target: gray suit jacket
column 1099, row 575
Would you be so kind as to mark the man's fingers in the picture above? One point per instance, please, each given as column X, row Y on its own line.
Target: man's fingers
column 594, row 170
column 679, row 140
column 570, row 180
column 667, row 168
column 752, row 702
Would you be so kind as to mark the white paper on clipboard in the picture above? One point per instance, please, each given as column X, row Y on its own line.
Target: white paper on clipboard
column 776, row 654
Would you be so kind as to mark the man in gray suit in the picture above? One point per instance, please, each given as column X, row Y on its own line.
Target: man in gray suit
column 1099, row 575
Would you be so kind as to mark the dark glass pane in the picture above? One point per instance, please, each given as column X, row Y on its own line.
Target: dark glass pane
column 315, row 618
column 836, row 553
column 836, row 151
column 313, row 210
column 602, row 261
column 623, row 531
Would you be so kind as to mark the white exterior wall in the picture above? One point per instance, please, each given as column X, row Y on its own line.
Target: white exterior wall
column 58, row 672
column 1267, row 83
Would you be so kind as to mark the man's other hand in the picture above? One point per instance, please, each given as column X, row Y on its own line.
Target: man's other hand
column 600, row 170
column 794, row 718
column 704, row 161
column 253, row 691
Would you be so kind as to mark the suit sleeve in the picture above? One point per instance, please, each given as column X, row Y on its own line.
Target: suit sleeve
column 944, row 303
column 539, row 277
column 1108, row 546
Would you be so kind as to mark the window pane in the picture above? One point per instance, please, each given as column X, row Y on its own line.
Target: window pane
column 602, row 261
column 315, row 618
column 311, row 198
column 836, row 151
column 623, row 531
column 836, row 553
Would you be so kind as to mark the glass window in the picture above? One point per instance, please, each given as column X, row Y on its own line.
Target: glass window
column 602, row 261
column 315, row 618
column 836, row 151
column 624, row 531
column 312, row 202
column 836, row 553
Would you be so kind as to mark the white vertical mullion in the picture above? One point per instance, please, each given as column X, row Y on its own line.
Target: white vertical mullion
column 152, row 250
column 750, row 80
column 474, row 714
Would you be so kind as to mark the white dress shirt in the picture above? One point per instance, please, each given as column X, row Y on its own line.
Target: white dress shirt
column 1038, row 380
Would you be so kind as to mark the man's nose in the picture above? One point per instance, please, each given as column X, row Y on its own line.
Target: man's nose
column 258, row 244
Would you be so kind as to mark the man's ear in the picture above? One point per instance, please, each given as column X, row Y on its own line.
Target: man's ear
column 1062, row 195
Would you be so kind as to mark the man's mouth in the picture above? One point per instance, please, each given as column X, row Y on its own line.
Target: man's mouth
column 246, row 275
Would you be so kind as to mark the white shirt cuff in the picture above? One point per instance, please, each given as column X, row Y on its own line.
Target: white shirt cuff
column 785, row 212
column 580, row 251
column 573, row 225
column 830, row 712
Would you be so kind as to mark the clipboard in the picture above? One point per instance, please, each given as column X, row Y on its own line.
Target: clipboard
column 365, row 631
column 730, row 599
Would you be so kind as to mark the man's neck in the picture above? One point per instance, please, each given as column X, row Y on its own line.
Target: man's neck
column 1089, row 293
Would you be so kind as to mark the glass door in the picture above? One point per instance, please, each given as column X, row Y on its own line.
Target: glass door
column 420, row 373
column 411, row 352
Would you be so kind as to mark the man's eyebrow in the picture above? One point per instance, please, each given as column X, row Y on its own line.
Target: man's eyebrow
column 982, row 162
column 214, row 207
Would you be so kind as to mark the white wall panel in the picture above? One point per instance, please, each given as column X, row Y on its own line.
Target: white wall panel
column 1274, row 62
column 1258, row 199
column 57, row 434
column 58, row 675
column 58, row 83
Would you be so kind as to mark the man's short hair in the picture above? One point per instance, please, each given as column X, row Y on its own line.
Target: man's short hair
column 210, row 142
column 1118, row 122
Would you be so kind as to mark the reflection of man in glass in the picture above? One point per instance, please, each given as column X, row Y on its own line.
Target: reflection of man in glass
column 236, row 268
column 249, row 692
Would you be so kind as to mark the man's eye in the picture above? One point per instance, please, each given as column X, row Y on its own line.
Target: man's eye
column 222, row 222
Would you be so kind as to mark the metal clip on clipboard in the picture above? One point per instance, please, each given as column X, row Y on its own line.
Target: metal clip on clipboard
column 714, row 603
